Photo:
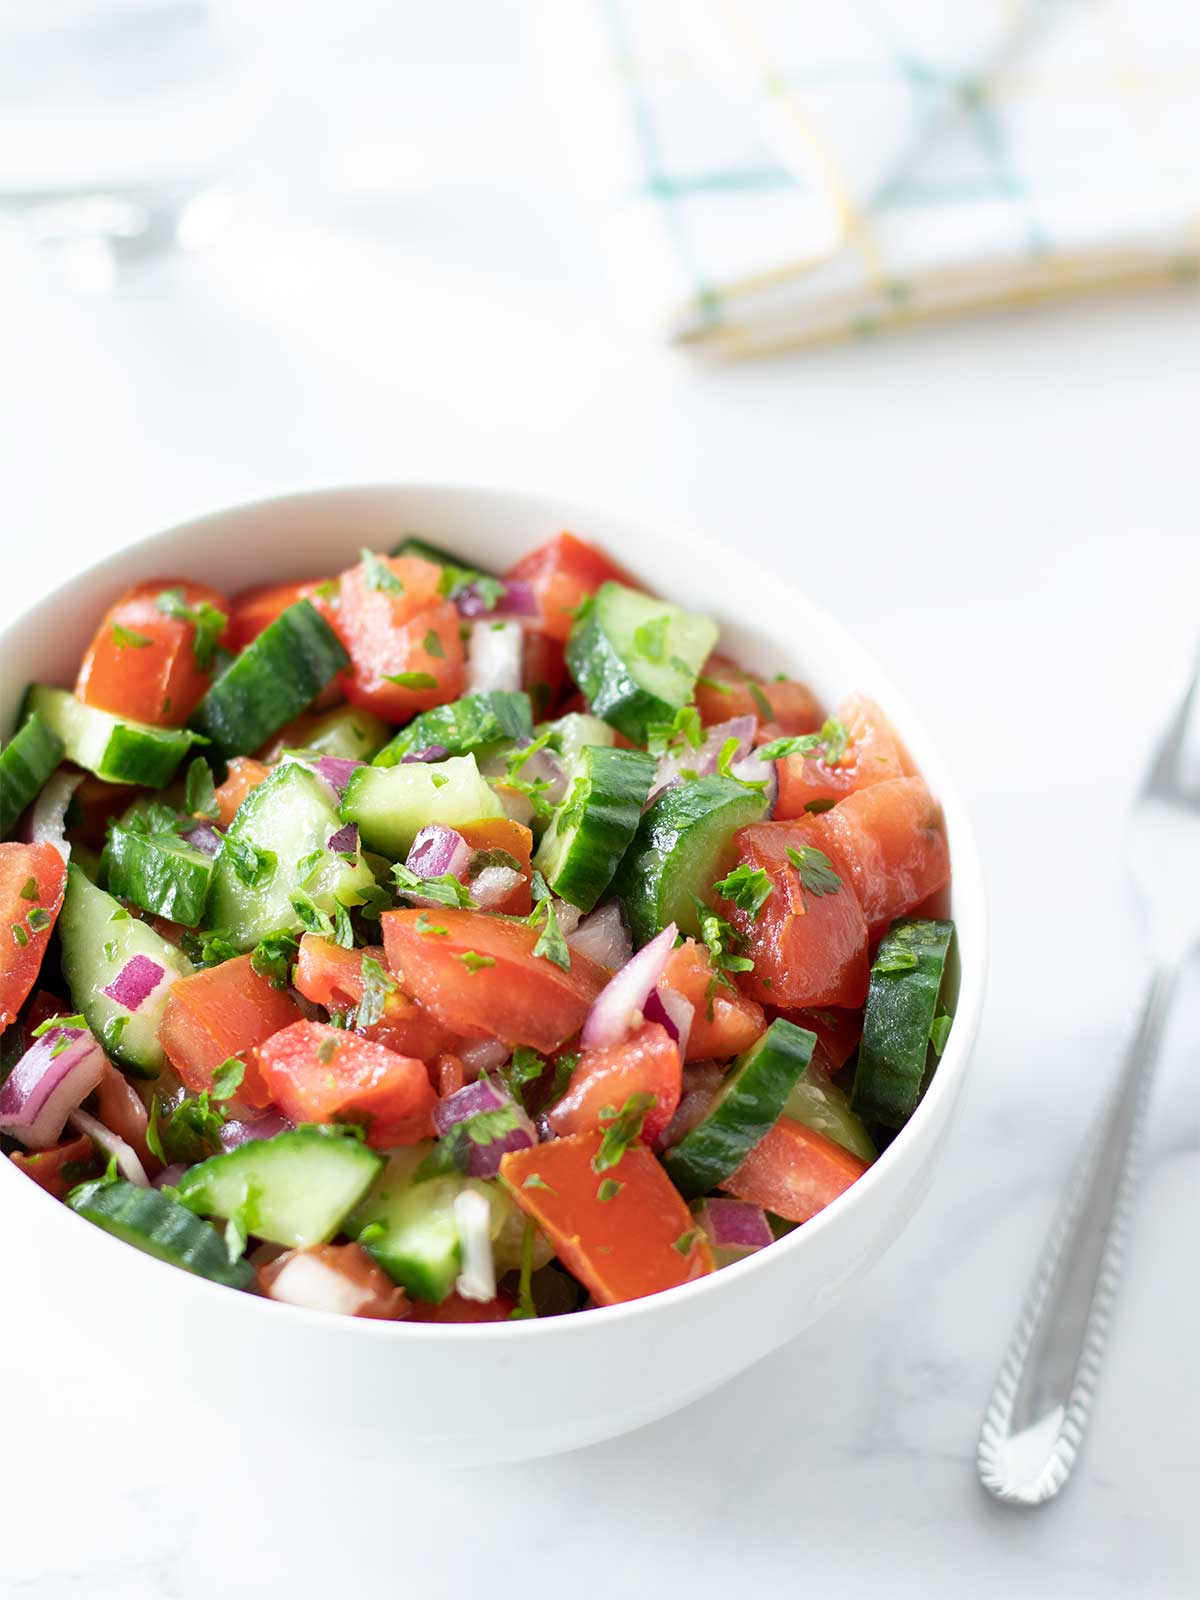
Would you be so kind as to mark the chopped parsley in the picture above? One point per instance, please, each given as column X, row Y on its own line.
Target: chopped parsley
column 424, row 926
column 200, row 797
column 723, row 942
column 29, row 890
column 38, row 919
column 725, row 765
column 474, row 962
column 650, row 638
column 765, row 709
column 525, row 1067
column 227, row 1079
column 939, row 1031
column 445, row 888
column 534, row 789
column 525, row 1306
column 379, row 575
column 311, row 916
column 377, row 984
column 621, row 1129
column 273, row 956
column 684, row 730
column 455, row 579
column 609, row 1189
column 829, row 743
column 432, row 645
column 536, row 1181
column 128, row 638
column 685, row 1242
column 343, row 928
column 411, row 680
column 749, row 888
column 551, row 943
column 208, row 622
column 253, row 865
column 20, row 937
column 491, row 858
column 896, row 959
column 207, row 951
column 191, row 1133
column 74, row 1021
column 815, row 869
column 325, row 1051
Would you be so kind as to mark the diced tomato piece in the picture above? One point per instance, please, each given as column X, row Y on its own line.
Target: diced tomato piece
column 641, row 1239
column 794, row 1172
column 808, row 949
column 142, row 663
column 60, row 1168
column 455, row 1309
column 838, row 1033
column 32, row 880
column 409, row 632
column 647, row 1062
column 449, row 1075
column 255, row 609
column 332, row 977
column 478, row 975
column 543, row 670
column 873, row 754
column 221, row 1012
column 501, row 833
column 316, row 1073
column 334, row 1277
column 726, row 1022
column 242, row 775
column 891, row 842
column 725, row 691
column 562, row 573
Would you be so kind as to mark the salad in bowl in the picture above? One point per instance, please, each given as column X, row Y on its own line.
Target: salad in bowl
column 426, row 944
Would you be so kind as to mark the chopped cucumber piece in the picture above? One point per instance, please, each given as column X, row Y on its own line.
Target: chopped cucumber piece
column 823, row 1107
column 636, row 658
column 114, row 748
column 590, row 832
column 476, row 722
column 902, row 1001
column 747, row 1106
column 569, row 734
column 410, row 1228
column 296, row 1189
column 158, row 872
column 276, row 853
column 392, row 804
column 26, row 761
column 274, row 679
column 153, row 1222
column 99, row 938
column 678, row 852
column 347, row 733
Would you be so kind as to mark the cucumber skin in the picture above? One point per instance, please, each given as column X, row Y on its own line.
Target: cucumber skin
column 132, row 752
column 602, row 673
column 84, row 926
column 211, row 1186
column 276, row 677
column 900, row 1010
column 470, row 723
column 26, row 761
column 619, row 781
column 159, row 874
column 170, row 1232
column 645, row 881
column 749, row 1104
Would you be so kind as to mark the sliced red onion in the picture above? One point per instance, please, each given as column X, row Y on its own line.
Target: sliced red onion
column 129, row 1163
column 52, row 1079
column 735, row 1227
column 494, row 656
column 518, row 600
column 345, row 840
column 473, row 1218
column 482, row 1055
column 336, row 770
column 674, row 1011
column 48, row 818
column 701, row 1080
column 753, row 769
column 619, row 1007
column 169, row 1176
column 203, row 837
column 437, row 850
column 603, row 937
column 431, row 752
column 493, row 885
column 543, row 766
column 703, row 761
column 139, row 977
column 263, row 1126
column 483, row 1160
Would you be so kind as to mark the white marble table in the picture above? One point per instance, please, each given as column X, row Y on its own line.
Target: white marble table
column 1010, row 508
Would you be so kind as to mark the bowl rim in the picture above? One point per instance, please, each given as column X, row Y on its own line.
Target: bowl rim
column 967, row 878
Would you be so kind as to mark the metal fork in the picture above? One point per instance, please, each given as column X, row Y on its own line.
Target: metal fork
column 1040, row 1407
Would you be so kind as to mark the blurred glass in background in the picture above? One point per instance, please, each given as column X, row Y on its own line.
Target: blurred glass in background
column 119, row 119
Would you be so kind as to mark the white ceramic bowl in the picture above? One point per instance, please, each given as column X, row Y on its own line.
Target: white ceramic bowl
column 501, row 1391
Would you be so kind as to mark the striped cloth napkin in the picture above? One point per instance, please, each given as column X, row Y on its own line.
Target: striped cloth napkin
column 778, row 172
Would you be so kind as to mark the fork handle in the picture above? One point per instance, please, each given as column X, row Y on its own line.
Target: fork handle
column 1035, row 1421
